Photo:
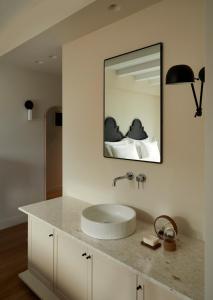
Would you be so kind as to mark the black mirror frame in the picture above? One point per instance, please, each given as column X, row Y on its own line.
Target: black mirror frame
column 161, row 103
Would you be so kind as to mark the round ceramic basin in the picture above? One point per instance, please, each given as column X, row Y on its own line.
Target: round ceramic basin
column 108, row 221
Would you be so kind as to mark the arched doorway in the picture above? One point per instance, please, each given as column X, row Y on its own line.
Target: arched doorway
column 53, row 152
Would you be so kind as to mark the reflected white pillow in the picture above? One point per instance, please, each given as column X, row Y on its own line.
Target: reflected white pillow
column 107, row 151
column 149, row 139
column 109, row 144
column 138, row 144
column 150, row 151
column 127, row 151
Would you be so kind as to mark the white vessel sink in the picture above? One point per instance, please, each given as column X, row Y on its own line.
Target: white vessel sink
column 108, row 221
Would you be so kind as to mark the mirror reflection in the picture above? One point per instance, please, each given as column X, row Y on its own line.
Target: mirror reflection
column 132, row 125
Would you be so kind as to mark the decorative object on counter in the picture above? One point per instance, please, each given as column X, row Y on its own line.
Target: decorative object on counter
column 169, row 239
column 151, row 241
column 29, row 106
column 140, row 179
column 166, row 229
column 184, row 74
column 164, row 223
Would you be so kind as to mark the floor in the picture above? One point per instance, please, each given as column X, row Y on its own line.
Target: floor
column 13, row 260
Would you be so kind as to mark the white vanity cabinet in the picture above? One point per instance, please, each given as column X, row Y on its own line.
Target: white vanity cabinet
column 71, row 270
column 84, row 274
column 40, row 250
column 111, row 280
column 154, row 291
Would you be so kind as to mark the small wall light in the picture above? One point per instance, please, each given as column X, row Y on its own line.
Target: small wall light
column 184, row 74
column 29, row 106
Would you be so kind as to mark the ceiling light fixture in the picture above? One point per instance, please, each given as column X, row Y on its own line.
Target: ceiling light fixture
column 39, row 62
column 53, row 56
column 114, row 7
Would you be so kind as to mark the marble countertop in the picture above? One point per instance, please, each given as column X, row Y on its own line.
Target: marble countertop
column 181, row 271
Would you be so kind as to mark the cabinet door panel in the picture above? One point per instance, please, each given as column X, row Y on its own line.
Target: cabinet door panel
column 153, row 291
column 111, row 280
column 70, row 268
column 41, row 250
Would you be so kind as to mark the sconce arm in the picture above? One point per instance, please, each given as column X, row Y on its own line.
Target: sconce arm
column 194, row 94
column 198, row 106
column 201, row 94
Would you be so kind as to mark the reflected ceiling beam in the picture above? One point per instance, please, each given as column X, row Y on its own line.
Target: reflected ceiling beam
column 147, row 76
column 140, row 68
column 134, row 58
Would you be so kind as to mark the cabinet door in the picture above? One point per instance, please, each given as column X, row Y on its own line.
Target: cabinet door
column 70, row 268
column 111, row 280
column 40, row 250
column 154, row 291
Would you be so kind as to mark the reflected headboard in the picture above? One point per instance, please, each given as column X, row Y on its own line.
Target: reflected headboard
column 111, row 131
column 113, row 134
column 136, row 131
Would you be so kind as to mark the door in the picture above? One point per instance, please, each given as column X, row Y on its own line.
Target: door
column 111, row 280
column 70, row 268
column 40, row 250
column 53, row 149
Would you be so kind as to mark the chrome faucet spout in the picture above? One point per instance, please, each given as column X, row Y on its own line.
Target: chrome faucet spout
column 118, row 178
column 129, row 176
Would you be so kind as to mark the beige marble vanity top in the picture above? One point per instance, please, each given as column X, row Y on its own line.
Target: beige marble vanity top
column 181, row 271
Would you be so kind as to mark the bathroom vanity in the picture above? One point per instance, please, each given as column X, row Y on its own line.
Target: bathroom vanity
column 65, row 263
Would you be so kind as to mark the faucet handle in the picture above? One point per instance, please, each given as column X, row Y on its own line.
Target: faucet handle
column 140, row 178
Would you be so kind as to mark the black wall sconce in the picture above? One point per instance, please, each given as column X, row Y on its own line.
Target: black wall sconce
column 184, row 74
column 29, row 106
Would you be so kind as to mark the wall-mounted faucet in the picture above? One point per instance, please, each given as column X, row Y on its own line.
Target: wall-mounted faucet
column 129, row 176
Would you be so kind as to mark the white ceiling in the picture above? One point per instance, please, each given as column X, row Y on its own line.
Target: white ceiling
column 88, row 19
column 11, row 8
column 31, row 19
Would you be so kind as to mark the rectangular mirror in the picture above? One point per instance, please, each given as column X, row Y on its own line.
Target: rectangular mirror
column 133, row 105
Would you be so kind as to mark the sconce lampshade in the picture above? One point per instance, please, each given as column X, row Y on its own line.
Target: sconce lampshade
column 29, row 104
column 180, row 74
column 201, row 75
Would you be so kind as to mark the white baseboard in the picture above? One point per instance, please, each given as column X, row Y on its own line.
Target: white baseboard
column 9, row 222
column 37, row 286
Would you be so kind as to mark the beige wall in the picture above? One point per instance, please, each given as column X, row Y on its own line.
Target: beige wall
column 174, row 187
column 208, row 151
column 22, row 141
